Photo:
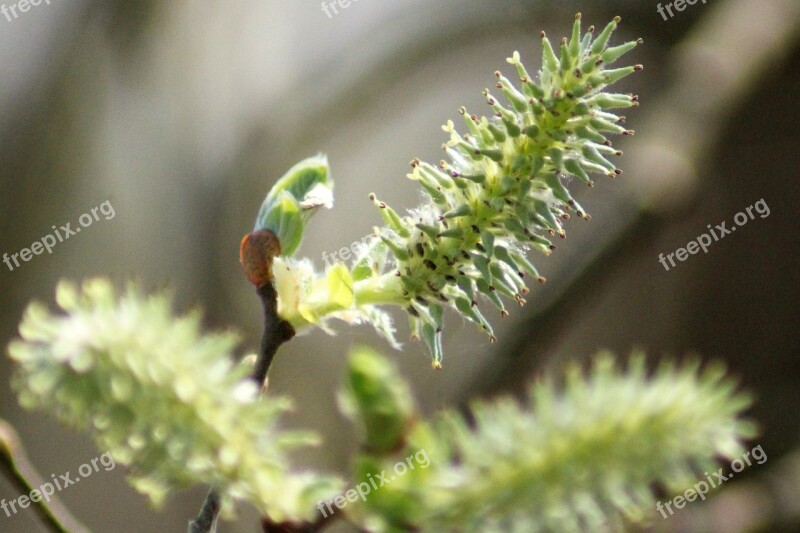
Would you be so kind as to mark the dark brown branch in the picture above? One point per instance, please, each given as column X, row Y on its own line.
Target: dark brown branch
column 276, row 332
column 206, row 520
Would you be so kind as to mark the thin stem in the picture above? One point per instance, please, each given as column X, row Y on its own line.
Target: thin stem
column 17, row 468
column 276, row 332
column 206, row 520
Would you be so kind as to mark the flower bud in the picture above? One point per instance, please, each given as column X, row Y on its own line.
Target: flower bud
column 255, row 255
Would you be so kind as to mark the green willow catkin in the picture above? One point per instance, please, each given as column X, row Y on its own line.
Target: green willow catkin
column 584, row 453
column 502, row 190
column 162, row 398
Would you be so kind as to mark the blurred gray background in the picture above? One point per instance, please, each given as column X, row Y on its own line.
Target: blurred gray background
column 182, row 114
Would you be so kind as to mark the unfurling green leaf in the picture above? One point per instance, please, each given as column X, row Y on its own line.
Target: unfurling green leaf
column 294, row 199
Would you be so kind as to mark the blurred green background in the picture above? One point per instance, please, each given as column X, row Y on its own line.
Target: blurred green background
column 182, row 114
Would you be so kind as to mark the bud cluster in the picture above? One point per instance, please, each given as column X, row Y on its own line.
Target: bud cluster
column 502, row 190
